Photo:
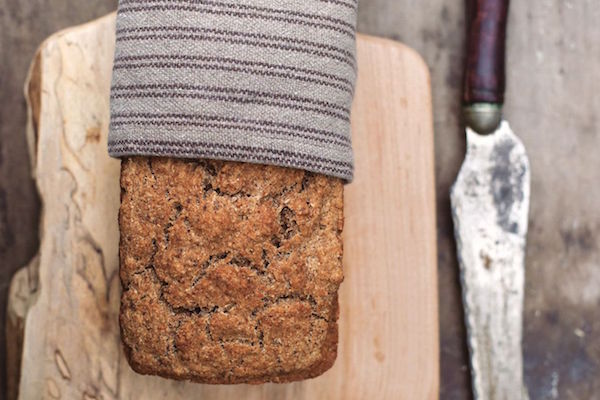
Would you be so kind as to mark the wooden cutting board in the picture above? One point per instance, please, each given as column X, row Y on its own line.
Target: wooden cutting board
column 63, row 308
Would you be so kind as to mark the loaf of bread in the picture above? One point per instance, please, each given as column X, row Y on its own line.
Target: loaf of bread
column 230, row 271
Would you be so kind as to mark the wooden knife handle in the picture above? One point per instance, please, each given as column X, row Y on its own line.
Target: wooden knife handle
column 485, row 78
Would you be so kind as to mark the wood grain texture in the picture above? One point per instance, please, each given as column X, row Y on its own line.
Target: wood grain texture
column 485, row 76
column 388, row 325
column 23, row 25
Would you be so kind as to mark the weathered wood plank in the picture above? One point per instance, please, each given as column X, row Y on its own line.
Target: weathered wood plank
column 388, row 325
column 23, row 25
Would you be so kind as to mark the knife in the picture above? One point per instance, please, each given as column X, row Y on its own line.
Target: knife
column 490, row 205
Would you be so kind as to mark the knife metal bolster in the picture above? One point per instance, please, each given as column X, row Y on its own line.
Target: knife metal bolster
column 483, row 118
column 490, row 204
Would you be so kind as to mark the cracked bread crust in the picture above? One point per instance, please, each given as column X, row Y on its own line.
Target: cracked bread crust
column 230, row 271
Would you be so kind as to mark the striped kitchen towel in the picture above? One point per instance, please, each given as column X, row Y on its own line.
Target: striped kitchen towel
column 261, row 81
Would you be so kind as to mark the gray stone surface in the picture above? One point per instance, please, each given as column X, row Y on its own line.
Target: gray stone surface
column 552, row 103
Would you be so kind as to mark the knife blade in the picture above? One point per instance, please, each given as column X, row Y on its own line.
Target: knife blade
column 490, row 206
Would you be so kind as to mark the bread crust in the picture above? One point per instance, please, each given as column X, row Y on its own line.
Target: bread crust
column 230, row 271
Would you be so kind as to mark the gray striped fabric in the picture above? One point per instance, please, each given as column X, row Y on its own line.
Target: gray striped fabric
column 262, row 81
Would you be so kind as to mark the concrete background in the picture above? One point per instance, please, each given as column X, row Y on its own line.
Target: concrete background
column 552, row 103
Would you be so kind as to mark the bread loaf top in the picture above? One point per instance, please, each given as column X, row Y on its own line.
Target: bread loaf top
column 230, row 270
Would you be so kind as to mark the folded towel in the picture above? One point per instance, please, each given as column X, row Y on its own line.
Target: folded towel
column 261, row 81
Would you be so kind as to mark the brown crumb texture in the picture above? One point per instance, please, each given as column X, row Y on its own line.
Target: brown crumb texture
column 230, row 271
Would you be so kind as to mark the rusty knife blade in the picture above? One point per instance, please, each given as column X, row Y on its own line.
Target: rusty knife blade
column 490, row 206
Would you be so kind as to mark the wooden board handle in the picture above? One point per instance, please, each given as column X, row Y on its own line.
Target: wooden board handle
column 485, row 79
